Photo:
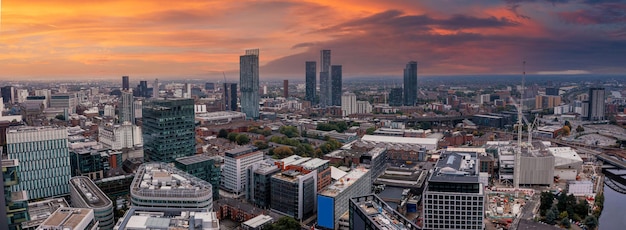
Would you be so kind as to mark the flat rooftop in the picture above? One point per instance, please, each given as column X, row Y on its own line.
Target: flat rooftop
column 258, row 221
column 456, row 167
column 240, row 151
column 153, row 179
column 168, row 218
column 41, row 210
column 406, row 140
column 194, row 159
column 344, row 182
column 294, row 160
column 89, row 192
column 381, row 214
column 68, row 218
column 314, row 163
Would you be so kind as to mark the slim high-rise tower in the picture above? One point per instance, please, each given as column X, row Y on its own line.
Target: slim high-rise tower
column 410, row 84
column 155, row 88
column 125, row 83
column 249, row 83
column 127, row 108
column 310, row 81
column 286, row 88
column 230, row 96
column 596, row 104
column 325, row 82
column 336, row 85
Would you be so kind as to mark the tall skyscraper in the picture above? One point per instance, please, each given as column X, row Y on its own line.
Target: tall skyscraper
column 127, row 110
column 596, row 104
column 249, row 83
column 125, row 83
column 7, row 94
column 155, row 88
column 168, row 129
column 311, row 79
column 410, row 84
column 348, row 104
column 44, row 159
column 395, row 97
column 230, row 96
column 285, row 88
column 142, row 89
column 325, row 84
column 336, row 85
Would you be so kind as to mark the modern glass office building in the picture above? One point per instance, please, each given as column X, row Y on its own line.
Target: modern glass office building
column 14, row 205
column 311, row 81
column 44, row 160
column 85, row 194
column 410, row 84
column 249, row 83
column 203, row 167
column 168, row 129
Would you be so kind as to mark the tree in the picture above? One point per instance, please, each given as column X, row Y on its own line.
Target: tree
column 222, row 133
column 581, row 209
column 261, row 144
column 568, row 124
column 232, row 137
column 60, row 117
column 580, row 129
column 591, row 222
column 242, row 139
column 284, row 223
column 370, row 130
column 565, row 222
column 289, row 131
column 563, row 214
column 282, row 152
column 550, row 217
column 566, row 130
column 547, row 199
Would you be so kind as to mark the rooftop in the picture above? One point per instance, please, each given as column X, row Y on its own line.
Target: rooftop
column 41, row 210
column 89, row 192
column 240, row 151
column 314, row 163
column 159, row 179
column 68, row 218
column 375, row 152
column 404, row 140
column 456, row 167
column 194, row 159
column 294, row 160
column 381, row 214
column 168, row 218
column 344, row 182
column 258, row 221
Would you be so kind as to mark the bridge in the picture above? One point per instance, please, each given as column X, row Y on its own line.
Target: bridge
column 606, row 158
column 615, row 179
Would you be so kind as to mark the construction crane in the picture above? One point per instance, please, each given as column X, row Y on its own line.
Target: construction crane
column 518, row 154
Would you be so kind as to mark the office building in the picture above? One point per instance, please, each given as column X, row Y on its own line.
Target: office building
column 395, row 97
column 209, row 86
column 14, row 204
column 120, row 136
column 259, row 190
column 336, row 85
column 155, row 88
column 293, row 193
column 348, row 104
column 332, row 202
column 39, row 211
column 236, row 162
column 375, row 160
column 596, row 104
column 311, row 81
column 142, row 90
column 93, row 162
column 44, row 160
column 203, row 167
column 168, row 129
column 454, row 197
column 67, row 218
column 7, row 94
column 372, row 213
column 127, row 109
column 410, row 84
column 249, row 83
column 257, row 223
column 285, row 88
column 325, row 81
column 85, row 194
column 125, row 83
column 162, row 185
column 65, row 101
column 143, row 218
column 230, row 96
column 552, row 91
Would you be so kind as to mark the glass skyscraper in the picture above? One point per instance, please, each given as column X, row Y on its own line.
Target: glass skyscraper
column 44, row 159
column 410, row 84
column 168, row 129
column 249, row 83
column 311, row 83
column 127, row 109
column 336, row 85
column 325, row 84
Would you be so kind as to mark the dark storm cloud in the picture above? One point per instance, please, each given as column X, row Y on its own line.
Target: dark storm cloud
column 607, row 13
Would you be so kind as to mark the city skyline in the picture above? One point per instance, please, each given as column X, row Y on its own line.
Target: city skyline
column 199, row 39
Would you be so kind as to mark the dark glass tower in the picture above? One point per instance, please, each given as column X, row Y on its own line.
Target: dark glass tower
column 310, row 81
column 410, row 84
column 395, row 97
column 325, row 84
column 336, row 85
column 168, row 129
column 230, row 96
column 249, row 83
column 125, row 83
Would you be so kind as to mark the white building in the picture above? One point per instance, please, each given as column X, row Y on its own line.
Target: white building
column 142, row 218
column 70, row 219
column 121, row 136
column 236, row 162
column 363, row 107
column 85, row 194
column 566, row 162
column 348, row 104
column 109, row 111
column 333, row 201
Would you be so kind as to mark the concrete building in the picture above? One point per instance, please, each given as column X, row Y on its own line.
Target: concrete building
column 257, row 223
column 249, row 83
column 375, row 160
column 218, row 118
column 311, row 81
column 66, row 101
column 363, row 107
column 293, row 193
column 410, row 83
column 537, row 163
column 85, row 194
column 259, row 189
column 161, row 185
column 547, row 101
column 332, row 202
column 566, row 162
column 168, row 129
column 44, row 160
column 348, row 104
column 39, row 211
column 236, row 162
column 371, row 212
column 454, row 197
column 203, row 167
column 13, row 205
column 428, row 143
column 596, row 104
column 144, row 218
column 120, row 136
column 67, row 218
column 580, row 188
column 336, row 84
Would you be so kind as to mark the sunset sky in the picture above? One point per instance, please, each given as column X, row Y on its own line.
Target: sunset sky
column 49, row 39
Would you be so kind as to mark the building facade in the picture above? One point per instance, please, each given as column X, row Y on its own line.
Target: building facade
column 596, row 104
column 249, row 83
column 127, row 107
column 395, row 97
column 144, row 218
column 372, row 213
column 259, row 190
column 203, row 167
column 168, row 129
column 325, row 82
column 236, row 162
column 125, row 83
column 119, row 136
column 13, row 205
column 332, row 202
column 44, row 160
column 336, row 84
column 410, row 84
column 311, row 81
column 85, row 194
column 293, row 193
column 348, row 104
column 71, row 218
column 230, row 96
column 94, row 163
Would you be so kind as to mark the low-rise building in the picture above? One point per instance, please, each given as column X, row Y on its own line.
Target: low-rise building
column 85, row 194
column 257, row 223
column 332, row 202
column 145, row 218
column 40, row 211
column 70, row 219
column 371, row 212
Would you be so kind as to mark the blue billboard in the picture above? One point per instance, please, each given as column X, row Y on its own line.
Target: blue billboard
column 325, row 212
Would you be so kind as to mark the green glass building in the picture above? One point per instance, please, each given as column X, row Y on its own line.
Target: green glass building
column 203, row 167
column 168, row 129
column 14, row 205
